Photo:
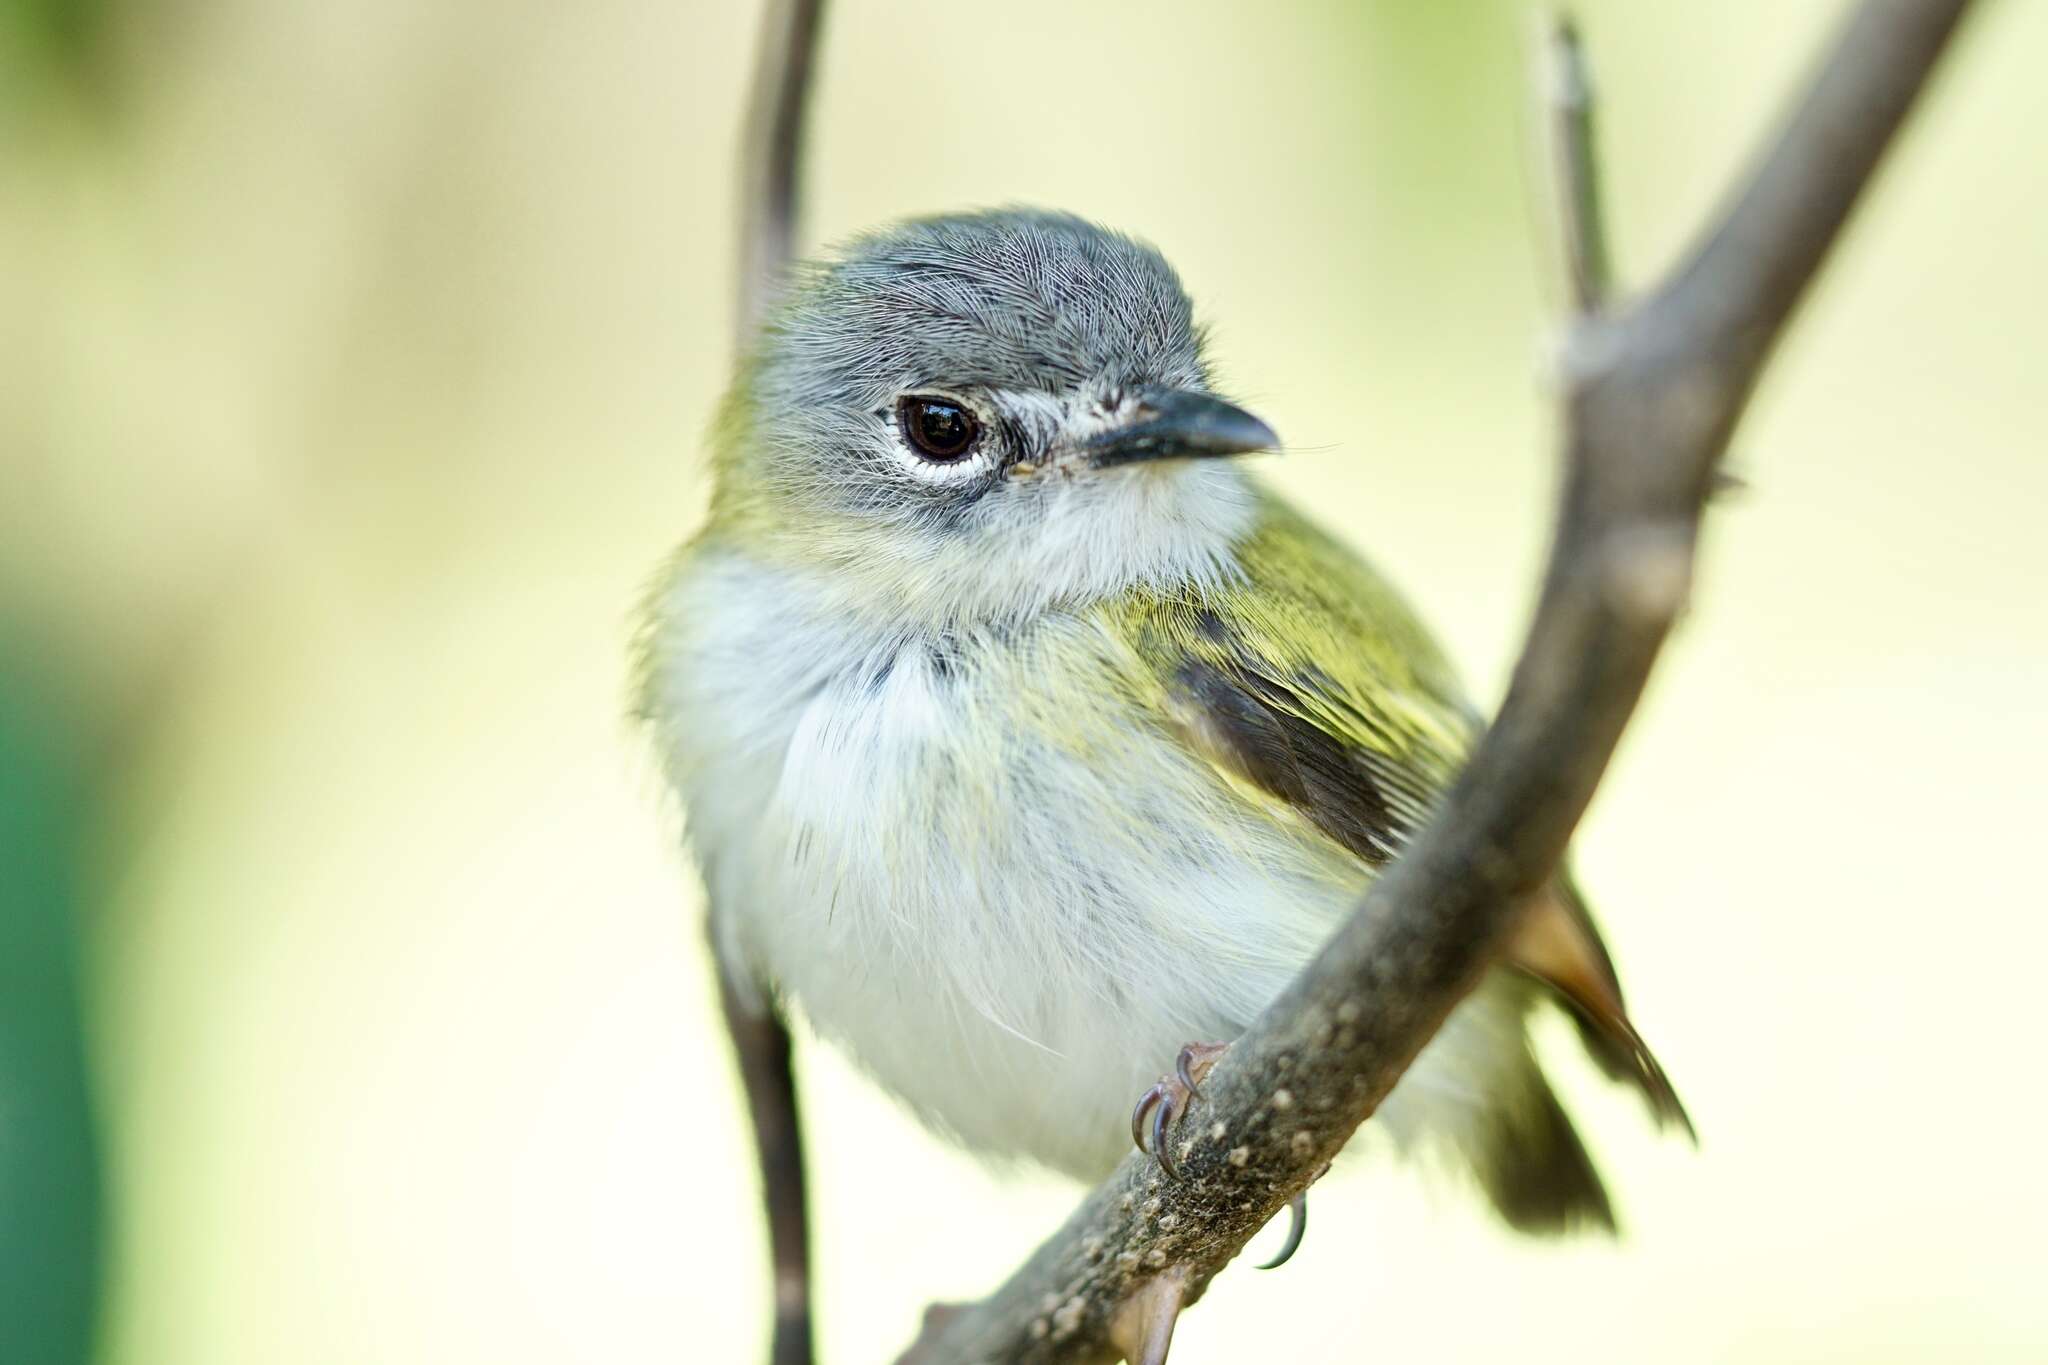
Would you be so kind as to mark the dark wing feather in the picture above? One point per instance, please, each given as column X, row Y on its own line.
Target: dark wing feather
column 1256, row 726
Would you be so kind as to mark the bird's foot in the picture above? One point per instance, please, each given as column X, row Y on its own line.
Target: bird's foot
column 1168, row 1100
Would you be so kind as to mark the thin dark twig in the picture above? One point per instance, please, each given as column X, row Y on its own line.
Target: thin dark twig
column 1652, row 395
column 1583, row 222
column 770, row 162
column 771, row 155
column 760, row 1044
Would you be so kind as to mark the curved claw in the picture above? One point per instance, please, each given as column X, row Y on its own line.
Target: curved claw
column 1156, row 1095
column 1167, row 1102
column 1297, row 1226
column 1160, row 1148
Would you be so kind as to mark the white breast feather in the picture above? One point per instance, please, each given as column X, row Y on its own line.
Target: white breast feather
column 1012, row 904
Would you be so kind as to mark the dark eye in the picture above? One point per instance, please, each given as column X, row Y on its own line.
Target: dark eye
column 940, row 430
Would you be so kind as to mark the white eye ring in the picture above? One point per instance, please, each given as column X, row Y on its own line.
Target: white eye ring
column 940, row 438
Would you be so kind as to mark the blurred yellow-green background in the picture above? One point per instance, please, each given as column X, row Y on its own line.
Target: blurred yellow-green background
column 354, row 360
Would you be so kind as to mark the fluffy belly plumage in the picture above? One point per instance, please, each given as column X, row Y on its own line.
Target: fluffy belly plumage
column 1011, row 909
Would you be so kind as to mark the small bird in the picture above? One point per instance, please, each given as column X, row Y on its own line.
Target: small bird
column 1025, row 740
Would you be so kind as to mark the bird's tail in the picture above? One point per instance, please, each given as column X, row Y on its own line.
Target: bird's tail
column 1558, row 944
column 1538, row 1173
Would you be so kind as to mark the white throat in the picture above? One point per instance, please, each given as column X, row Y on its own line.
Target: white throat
column 1070, row 541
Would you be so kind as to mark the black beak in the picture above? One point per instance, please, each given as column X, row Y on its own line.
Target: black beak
column 1180, row 424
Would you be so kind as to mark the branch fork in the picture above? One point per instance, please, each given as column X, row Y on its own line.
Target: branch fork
column 1650, row 395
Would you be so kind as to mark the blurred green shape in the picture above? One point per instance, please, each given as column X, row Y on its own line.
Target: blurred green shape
column 63, row 33
column 49, row 1151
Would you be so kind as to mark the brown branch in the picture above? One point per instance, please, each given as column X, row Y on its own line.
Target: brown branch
column 771, row 150
column 1651, row 395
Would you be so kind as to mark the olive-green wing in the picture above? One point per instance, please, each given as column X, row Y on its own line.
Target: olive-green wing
column 1312, row 682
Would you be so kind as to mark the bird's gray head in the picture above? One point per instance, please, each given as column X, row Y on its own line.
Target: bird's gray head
column 986, row 413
